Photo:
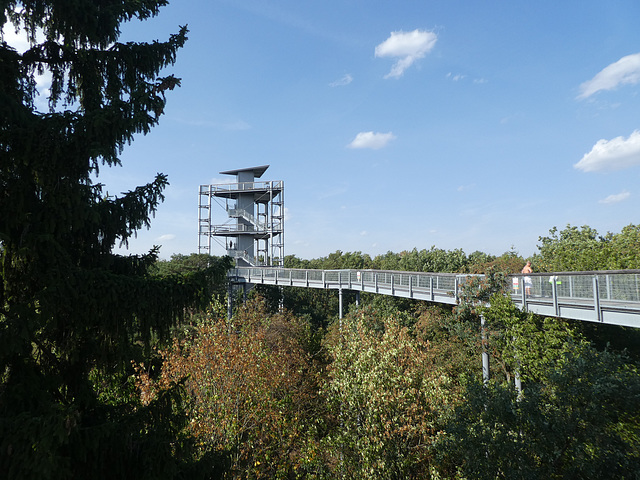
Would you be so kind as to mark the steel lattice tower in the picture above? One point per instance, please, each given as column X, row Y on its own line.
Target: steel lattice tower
column 254, row 230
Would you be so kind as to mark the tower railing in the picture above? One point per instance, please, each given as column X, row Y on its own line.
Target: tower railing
column 242, row 187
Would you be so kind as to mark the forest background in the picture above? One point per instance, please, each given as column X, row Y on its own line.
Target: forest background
column 128, row 367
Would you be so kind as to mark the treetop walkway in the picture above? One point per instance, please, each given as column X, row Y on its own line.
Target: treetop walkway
column 611, row 297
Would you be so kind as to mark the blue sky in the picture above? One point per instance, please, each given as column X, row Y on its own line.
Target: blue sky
column 394, row 125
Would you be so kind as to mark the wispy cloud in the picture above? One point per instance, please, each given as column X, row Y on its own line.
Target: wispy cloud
column 619, row 197
column 456, row 78
column 463, row 188
column 346, row 79
column 371, row 140
column 168, row 237
column 408, row 46
column 624, row 71
column 615, row 154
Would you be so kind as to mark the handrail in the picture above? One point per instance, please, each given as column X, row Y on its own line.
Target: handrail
column 241, row 187
column 239, row 212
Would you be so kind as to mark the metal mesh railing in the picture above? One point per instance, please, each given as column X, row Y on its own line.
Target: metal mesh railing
column 621, row 286
column 612, row 296
column 443, row 282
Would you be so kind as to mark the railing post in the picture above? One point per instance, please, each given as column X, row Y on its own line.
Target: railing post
column 431, row 288
column 571, row 286
column 455, row 289
column 554, row 292
column 596, row 298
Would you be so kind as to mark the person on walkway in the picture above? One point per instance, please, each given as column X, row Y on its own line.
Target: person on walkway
column 527, row 279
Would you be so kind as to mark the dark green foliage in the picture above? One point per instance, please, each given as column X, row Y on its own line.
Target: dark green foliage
column 197, row 264
column 73, row 315
column 181, row 264
column 580, row 422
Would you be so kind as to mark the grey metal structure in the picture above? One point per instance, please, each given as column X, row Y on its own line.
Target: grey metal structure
column 611, row 297
column 253, row 233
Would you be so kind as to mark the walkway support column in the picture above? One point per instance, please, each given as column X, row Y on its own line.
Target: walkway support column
column 485, row 353
column 340, row 303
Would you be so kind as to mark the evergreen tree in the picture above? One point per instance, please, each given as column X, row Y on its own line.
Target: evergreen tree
column 73, row 314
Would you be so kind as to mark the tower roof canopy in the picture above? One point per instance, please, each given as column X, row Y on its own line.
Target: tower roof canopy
column 257, row 171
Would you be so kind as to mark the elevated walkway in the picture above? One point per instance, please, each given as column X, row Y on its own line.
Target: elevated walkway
column 611, row 297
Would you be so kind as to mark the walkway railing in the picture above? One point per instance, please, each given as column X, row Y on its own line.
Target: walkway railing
column 611, row 296
column 603, row 296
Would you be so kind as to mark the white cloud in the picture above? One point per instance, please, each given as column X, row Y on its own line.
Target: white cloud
column 615, row 154
column 364, row 233
column 371, row 140
column 345, row 80
column 624, row 71
column 167, row 237
column 409, row 46
column 615, row 198
column 455, row 78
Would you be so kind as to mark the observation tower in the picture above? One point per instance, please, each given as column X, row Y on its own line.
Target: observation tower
column 253, row 233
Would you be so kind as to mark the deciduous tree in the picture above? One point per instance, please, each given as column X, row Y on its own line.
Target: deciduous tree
column 386, row 398
column 581, row 421
column 251, row 389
